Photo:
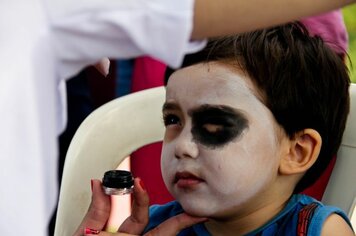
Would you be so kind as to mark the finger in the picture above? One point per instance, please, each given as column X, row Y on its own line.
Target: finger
column 174, row 225
column 99, row 209
column 103, row 66
column 136, row 223
column 103, row 233
column 140, row 202
column 109, row 234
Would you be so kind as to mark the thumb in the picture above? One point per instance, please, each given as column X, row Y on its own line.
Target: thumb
column 99, row 210
column 137, row 221
column 103, row 66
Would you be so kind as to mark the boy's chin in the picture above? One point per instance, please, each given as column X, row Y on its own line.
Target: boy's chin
column 197, row 210
column 196, row 213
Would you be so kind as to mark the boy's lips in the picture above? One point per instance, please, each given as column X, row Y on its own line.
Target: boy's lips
column 186, row 179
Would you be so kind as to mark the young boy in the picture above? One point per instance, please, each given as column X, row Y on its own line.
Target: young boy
column 251, row 121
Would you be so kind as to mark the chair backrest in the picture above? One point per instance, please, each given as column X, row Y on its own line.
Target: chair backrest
column 103, row 140
column 341, row 189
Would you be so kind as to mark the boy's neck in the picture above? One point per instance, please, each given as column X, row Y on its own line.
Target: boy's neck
column 248, row 221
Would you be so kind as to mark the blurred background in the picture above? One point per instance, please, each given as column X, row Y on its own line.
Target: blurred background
column 350, row 21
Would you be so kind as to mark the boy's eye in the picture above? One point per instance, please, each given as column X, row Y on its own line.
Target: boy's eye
column 170, row 119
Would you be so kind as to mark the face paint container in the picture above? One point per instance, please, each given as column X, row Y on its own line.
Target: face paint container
column 118, row 182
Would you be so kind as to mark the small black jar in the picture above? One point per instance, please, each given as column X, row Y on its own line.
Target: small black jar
column 118, row 182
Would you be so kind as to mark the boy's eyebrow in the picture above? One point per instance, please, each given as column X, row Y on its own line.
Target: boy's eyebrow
column 207, row 108
column 170, row 106
column 219, row 109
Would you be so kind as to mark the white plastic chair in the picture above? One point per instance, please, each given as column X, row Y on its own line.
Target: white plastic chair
column 341, row 189
column 121, row 126
column 103, row 140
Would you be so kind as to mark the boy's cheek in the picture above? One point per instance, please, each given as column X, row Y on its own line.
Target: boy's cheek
column 170, row 134
column 167, row 166
column 167, row 155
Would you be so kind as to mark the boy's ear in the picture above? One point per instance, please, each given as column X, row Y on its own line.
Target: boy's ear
column 304, row 149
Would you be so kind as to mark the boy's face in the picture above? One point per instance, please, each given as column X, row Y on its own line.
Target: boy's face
column 221, row 148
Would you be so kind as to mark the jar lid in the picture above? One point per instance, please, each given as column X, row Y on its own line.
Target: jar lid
column 118, row 179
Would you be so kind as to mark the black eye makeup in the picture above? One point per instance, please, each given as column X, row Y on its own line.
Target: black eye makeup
column 216, row 126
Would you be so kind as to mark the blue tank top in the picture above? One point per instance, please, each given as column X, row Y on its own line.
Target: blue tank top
column 302, row 215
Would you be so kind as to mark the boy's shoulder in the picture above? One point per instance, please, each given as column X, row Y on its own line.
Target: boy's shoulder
column 303, row 215
column 314, row 215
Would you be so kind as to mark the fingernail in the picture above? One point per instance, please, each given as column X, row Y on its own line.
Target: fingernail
column 142, row 184
column 91, row 184
column 91, row 231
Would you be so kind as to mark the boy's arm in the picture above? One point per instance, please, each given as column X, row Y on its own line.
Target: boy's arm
column 336, row 225
column 215, row 18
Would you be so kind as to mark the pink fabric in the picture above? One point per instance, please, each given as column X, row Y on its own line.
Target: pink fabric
column 330, row 26
column 147, row 73
column 145, row 162
column 318, row 188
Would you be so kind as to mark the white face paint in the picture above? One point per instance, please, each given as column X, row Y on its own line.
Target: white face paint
column 216, row 180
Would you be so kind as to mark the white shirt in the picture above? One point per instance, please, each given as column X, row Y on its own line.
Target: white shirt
column 43, row 43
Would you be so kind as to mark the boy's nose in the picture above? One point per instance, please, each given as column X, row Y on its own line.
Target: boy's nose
column 185, row 146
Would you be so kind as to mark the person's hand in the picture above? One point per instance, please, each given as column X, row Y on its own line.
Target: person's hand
column 99, row 211
column 170, row 227
column 103, row 66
